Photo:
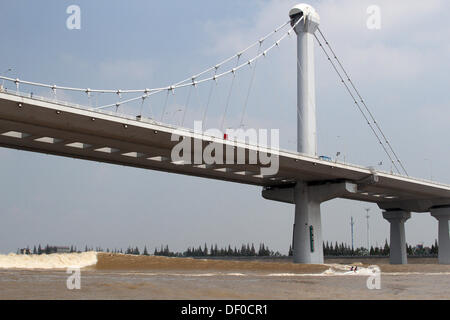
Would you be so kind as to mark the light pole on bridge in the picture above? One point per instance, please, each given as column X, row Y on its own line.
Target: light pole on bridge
column 368, row 229
column 4, row 74
column 431, row 168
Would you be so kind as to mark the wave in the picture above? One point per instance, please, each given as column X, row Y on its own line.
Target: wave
column 210, row 274
column 174, row 266
column 348, row 270
column 48, row 261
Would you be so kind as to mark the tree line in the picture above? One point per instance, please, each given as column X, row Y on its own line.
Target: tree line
column 344, row 249
column 246, row 250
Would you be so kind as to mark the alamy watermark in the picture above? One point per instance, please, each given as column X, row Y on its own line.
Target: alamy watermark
column 74, row 280
column 235, row 146
column 374, row 280
column 73, row 22
column 374, row 20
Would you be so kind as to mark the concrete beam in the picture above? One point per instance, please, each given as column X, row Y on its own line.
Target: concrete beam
column 328, row 191
column 413, row 205
column 319, row 193
column 281, row 194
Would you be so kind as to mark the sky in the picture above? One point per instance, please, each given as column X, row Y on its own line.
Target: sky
column 401, row 69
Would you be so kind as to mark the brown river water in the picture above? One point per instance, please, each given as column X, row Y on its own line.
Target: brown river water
column 117, row 276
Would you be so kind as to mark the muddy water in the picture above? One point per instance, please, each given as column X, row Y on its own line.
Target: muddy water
column 136, row 277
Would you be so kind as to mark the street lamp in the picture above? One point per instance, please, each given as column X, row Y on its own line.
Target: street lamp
column 368, row 239
column 431, row 168
column 352, row 223
column 337, row 156
column 343, row 148
column 3, row 74
column 174, row 112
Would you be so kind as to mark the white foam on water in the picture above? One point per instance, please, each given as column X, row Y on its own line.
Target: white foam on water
column 295, row 274
column 232, row 274
column 333, row 270
column 346, row 270
column 48, row 261
column 416, row 273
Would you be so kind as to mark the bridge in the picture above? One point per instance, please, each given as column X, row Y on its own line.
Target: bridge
column 45, row 125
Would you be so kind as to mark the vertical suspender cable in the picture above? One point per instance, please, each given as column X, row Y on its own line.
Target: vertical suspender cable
column 249, row 87
column 187, row 102
column 165, row 105
column 209, row 97
column 229, row 94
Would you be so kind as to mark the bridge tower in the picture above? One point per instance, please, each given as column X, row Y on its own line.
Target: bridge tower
column 307, row 238
column 307, row 244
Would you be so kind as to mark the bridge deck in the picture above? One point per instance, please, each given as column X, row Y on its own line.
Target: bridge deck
column 58, row 129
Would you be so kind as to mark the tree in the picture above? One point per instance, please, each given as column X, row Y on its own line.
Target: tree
column 434, row 248
column 409, row 250
column 386, row 249
column 252, row 250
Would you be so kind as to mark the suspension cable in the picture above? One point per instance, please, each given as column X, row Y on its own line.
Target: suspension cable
column 181, row 84
column 363, row 102
column 174, row 86
column 357, row 104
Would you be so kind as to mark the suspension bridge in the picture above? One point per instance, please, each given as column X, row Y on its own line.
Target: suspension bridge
column 104, row 133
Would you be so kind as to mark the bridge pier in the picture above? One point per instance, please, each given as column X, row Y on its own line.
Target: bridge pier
column 307, row 238
column 397, row 219
column 442, row 214
column 307, row 243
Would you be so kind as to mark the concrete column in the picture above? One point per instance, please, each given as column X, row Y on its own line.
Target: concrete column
column 443, row 216
column 307, row 239
column 397, row 220
column 307, row 243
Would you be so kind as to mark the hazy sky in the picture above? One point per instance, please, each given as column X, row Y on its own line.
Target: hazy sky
column 402, row 70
